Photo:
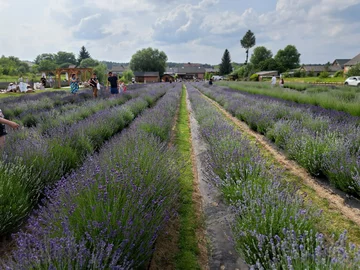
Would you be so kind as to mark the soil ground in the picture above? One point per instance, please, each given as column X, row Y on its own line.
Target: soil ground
column 222, row 254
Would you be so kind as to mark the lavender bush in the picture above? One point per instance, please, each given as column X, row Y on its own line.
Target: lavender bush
column 48, row 157
column 273, row 227
column 106, row 215
column 309, row 134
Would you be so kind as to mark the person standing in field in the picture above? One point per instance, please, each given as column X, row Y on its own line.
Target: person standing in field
column 3, row 132
column 94, row 83
column 273, row 81
column 43, row 81
column 113, row 81
column 281, row 83
column 74, row 85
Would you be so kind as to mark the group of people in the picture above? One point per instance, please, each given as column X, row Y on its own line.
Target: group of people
column 116, row 86
column 273, row 81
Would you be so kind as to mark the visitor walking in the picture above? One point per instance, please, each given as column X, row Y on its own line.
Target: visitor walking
column 273, row 81
column 281, row 83
column 3, row 132
column 211, row 81
column 113, row 81
column 94, row 84
column 74, row 85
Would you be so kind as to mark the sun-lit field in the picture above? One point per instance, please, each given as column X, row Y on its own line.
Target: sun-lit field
column 113, row 179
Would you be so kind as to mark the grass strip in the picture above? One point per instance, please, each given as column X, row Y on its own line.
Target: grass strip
column 187, row 257
column 344, row 99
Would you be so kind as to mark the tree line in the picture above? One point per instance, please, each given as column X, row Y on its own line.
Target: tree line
column 262, row 59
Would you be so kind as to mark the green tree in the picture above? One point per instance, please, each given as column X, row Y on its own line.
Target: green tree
column 100, row 71
column 44, row 56
column 354, row 71
column 289, row 58
column 47, row 65
column 271, row 64
column 13, row 66
column 259, row 55
column 88, row 63
column 243, row 71
column 83, row 54
column 149, row 60
column 65, row 58
column 225, row 66
column 247, row 42
column 127, row 76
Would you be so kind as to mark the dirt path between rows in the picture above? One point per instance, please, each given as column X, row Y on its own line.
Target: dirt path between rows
column 222, row 254
column 348, row 207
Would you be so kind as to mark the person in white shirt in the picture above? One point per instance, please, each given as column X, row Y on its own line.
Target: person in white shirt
column 273, row 81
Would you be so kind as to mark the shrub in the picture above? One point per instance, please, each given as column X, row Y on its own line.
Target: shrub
column 339, row 73
column 354, row 71
column 324, row 75
column 254, row 77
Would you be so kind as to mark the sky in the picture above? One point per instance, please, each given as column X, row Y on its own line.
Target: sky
column 196, row 31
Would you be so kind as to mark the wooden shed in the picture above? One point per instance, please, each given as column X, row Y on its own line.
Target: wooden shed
column 148, row 77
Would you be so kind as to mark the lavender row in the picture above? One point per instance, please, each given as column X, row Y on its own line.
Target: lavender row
column 273, row 227
column 45, row 158
column 30, row 97
column 19, row 109
column 325, row 142
column 25, row 108
column 108, row 214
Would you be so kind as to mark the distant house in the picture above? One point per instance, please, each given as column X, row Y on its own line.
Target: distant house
column 264, row 74
column 213, row 71
column 317, row 69
column 191, row 71
column 340, row 62
column 119, row 70
column 149, row 77
column 171, row 70
column 351, row 63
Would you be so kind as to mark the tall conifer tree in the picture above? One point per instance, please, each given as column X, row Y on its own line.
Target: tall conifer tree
column 225, row 66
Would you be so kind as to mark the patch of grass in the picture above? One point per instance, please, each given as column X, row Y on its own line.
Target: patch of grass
column 339, row 98
column 316, row 80
column 188, row 247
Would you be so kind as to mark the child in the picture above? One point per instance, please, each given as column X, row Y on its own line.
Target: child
column 122, row 86
column 3, row 132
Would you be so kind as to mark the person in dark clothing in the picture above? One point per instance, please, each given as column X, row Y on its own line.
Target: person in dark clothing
column 211, row 81
column 113, row 81
column 43, row 81
column 93, row 83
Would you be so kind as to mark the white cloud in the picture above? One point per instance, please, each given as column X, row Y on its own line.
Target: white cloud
column 4, row 4
column 190, row 30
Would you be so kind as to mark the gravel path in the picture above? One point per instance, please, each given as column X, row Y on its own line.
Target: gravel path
column 222, row 254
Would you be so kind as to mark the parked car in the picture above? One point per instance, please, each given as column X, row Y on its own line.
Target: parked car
column 353, row 81
column 217, row 78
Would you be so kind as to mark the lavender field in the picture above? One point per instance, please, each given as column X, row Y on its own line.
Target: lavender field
column 94, row 184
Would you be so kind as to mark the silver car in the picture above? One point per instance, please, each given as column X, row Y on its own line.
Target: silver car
column 353, row 81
